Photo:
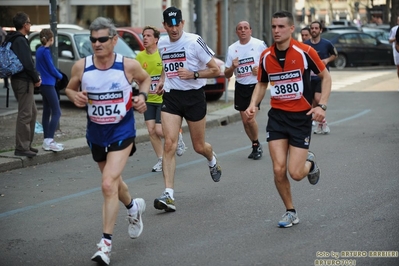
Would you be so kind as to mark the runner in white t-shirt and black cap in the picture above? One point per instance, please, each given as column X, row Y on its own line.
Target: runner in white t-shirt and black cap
column 187, row 63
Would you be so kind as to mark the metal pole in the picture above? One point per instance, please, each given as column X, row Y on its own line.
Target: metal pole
column 53, row 27
column 226, row 46
column 54, row 48
column 198, row 19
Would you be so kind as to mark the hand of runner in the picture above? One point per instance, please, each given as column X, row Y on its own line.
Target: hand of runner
column 139, row 104
column 159, row 88
column 250, row 112
column 318, row 114
column 255, row 70
column 184, row 73
column 235, row 63
column 80, row 99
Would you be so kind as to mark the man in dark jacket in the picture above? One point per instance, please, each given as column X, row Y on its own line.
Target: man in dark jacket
column 23, row 84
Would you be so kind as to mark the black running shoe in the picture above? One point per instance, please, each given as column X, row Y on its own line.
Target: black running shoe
column 257, row 152
column 313, row 175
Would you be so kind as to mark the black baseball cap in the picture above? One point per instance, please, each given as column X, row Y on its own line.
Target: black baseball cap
column 172, row 16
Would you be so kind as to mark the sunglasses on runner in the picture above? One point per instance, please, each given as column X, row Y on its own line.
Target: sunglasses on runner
column 100, row 39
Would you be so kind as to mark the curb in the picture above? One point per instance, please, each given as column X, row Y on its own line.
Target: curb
column 78, row 147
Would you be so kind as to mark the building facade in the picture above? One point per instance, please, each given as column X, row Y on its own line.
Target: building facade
column 214, row 20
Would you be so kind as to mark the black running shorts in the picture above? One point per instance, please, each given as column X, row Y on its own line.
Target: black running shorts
column 243, row 95
column 153, row 112
column 99, row 153
column 190, row 104
column 294, row 126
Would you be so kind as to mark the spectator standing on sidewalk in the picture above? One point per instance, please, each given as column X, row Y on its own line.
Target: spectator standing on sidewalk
column 286, row 65
column 242, row 60
column 111, row 127
column 187, row 63
column 150, row 61
column 327, row 53
column 23, row 84
column 51, row 104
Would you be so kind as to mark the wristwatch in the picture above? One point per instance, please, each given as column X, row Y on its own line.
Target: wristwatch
column 144, row 94
column 322, row 106
column 196, row 75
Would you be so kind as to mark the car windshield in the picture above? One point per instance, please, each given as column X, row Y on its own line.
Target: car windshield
column 84, row 47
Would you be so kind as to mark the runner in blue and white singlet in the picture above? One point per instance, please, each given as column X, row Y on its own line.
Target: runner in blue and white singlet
column 109, row 110
column 101, row 83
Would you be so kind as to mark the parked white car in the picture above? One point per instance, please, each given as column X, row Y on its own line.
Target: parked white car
column 74, row 45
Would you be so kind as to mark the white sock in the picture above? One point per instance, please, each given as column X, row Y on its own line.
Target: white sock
column 133, row 210
column 47, row 141
column 170, row 191
column 213, row 162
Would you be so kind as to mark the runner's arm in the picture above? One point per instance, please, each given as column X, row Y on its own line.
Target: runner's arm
column 79, row 98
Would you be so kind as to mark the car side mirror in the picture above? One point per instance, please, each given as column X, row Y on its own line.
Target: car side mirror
column 67, row 54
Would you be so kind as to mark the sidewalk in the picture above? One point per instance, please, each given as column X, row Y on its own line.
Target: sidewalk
column 78, row 147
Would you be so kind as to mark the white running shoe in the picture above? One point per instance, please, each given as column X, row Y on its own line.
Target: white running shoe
column 322, row 128
column 136, row 223
column 158, row 166
column 103, row 255
column 325, row 128
column 53, row 146
column 181, row 146
column 289, row 219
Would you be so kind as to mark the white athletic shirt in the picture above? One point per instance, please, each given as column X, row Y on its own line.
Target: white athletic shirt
column 190, row 52
column 248, row 56
column 392, row 35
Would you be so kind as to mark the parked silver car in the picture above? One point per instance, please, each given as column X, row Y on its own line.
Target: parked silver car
column 74, row 45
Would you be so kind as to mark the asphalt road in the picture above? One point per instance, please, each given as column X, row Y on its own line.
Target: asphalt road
column 51, row 214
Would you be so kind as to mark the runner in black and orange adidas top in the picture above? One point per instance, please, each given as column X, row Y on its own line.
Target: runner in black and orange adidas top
column 286, row 65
